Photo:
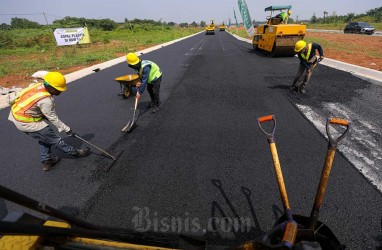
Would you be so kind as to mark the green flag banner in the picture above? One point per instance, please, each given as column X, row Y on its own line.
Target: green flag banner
column 246, row 17
column 234, row 13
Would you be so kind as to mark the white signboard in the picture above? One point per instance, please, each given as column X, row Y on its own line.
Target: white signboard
column 71, row 36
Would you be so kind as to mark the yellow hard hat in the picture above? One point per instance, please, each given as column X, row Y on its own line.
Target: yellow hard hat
column 289, row 12
column 299, row 46
column 132, row 59
column 56, row 80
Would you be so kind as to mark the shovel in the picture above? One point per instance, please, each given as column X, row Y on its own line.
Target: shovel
column 289, row 226
column 132, row 122
column 332, row 146
column 103, row 151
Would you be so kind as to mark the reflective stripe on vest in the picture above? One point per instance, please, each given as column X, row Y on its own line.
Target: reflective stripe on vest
column 306, row 57
column 155, row 71
column 27, row 98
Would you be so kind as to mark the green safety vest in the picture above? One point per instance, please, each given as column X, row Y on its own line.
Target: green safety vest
column 306, row 57
column 155, row 71
column 283, row 16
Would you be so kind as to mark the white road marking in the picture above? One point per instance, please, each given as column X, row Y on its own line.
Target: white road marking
column 358, row 146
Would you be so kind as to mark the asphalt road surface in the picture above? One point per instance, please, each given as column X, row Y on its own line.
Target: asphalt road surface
column 202, row 156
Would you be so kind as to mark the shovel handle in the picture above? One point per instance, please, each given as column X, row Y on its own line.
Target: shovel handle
column 336, row 121
column 136, row 104
column 268, row 118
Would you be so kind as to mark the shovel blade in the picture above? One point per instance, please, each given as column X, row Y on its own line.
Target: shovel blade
column 126, row 127
column 130, row 125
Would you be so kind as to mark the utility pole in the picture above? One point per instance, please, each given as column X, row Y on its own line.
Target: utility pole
column 45, row 18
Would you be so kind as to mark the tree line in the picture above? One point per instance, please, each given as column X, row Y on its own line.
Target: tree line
column 374, row 15
column 102, row 24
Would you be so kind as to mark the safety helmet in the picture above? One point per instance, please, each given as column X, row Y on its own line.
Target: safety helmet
column 132, row 59
column 299, row 46
column 289, row 12
column 56, row 80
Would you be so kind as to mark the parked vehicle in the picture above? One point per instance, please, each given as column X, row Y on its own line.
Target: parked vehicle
column 359, row 28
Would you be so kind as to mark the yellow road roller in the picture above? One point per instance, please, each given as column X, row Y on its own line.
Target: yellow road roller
column 210, row 29
column 277, row 38
column 222, row 27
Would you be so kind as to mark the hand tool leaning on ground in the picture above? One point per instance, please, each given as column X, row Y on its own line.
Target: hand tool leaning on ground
column 298, row 229
column 102, row 151
column 332, row 146
column 289, row 227
column 132, row 122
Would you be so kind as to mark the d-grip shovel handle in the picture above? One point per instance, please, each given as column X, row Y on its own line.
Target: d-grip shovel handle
column 327, row 169
column 334, row 141
column 267, row 118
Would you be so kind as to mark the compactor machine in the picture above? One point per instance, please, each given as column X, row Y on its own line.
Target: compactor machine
column 277, row 38
column 210, row 29
column 222, row 27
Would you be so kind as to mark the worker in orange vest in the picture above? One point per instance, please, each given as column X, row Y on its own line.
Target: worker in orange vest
column 30, row 112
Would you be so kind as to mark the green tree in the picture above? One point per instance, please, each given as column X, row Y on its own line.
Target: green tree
column 5, row 26
column 349, row 17
column 22, row 23
column 313, row 19
column 202, row 24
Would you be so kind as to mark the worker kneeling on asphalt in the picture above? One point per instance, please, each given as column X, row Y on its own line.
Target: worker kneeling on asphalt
column 150, row 75
column 30, row 112
column 307, row 55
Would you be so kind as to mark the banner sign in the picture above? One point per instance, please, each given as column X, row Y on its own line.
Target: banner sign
column 237, row 25
column 71, row 36
column 246, row 18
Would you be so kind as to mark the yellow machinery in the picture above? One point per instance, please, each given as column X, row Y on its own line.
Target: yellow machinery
column 277, row 38
column 222, row 27
column 210, row 29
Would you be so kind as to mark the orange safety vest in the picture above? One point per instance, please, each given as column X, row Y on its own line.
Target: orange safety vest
column 306, row 57
column 27, row 98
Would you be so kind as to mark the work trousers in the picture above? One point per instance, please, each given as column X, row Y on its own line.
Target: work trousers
column 153, row 89
column 46, row 139
column 301, row 70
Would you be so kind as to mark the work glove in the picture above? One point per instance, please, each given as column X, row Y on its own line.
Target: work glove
column 71, row 133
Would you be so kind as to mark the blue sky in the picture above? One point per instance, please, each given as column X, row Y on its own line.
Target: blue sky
column 172, row 10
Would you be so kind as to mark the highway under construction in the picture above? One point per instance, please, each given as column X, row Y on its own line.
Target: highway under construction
column 202, row 156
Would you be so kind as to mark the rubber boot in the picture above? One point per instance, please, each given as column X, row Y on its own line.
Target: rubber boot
column 49, row 164
column 83, row 152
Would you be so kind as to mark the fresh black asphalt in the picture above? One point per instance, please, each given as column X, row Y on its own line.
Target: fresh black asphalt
column 202, row 155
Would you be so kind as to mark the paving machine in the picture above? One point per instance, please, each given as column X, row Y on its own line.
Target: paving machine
column 276, row 38
column 210, row 29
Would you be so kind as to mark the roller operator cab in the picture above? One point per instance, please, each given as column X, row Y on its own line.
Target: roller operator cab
column 210, row 29
column 277, row 38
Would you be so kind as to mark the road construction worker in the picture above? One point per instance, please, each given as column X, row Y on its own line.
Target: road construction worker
column 308, row 59
column 284, row 16
column 150, row 75
column 31, row 110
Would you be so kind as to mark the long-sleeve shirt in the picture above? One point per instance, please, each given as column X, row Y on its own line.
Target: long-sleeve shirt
column 315, row 47
column 46, row 107
column 145, row 78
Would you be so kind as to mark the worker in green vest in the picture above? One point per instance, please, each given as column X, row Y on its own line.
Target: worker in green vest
column 308, row 60
column 151, row 77
column 284, row 16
